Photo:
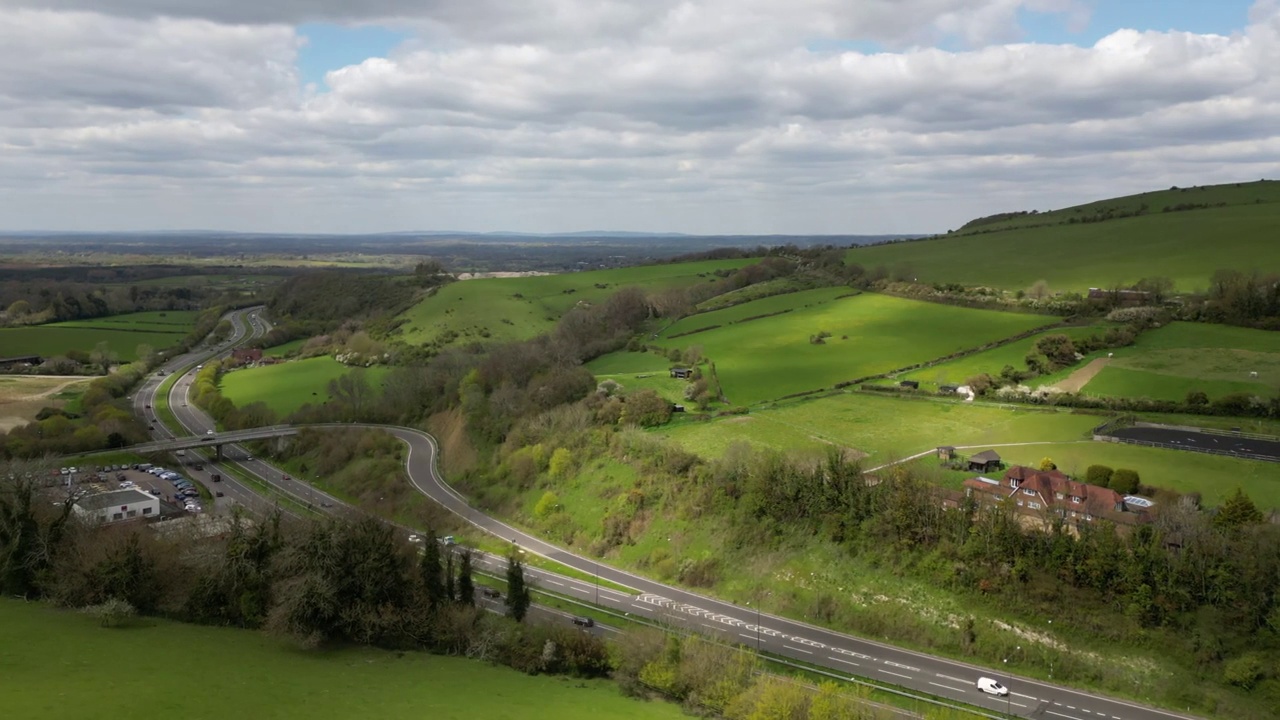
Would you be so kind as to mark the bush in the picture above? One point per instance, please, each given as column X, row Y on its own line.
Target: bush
column 112, row 613
column 1245, row 671
column 1125, row 481
column 1099, row 475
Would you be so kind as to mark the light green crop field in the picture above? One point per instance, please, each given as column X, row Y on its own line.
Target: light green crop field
column 288, row 386
column 122, row 333
column 1168, row 362
column 883, row 428
column 992, row 361
column 630, row 362
column 1184, row 246
column 772, row 357
column 63, row 665
column 495, row 309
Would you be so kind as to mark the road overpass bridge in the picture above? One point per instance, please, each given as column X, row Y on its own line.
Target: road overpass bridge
column 214, row 441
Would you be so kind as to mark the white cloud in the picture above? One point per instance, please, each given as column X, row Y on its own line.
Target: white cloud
column 704, row 116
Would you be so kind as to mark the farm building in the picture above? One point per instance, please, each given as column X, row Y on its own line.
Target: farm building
column 911, row 384
column 682, row 373
column 985, row 461
column 20, row 361
column 1120, row 297
column 947, row 452
column 246, row 356
column 118, row 505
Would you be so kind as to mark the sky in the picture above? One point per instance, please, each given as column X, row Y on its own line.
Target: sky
column 696, row 116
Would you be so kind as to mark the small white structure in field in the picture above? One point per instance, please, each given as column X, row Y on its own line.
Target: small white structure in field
column 1253, row 374
column 1110, row 354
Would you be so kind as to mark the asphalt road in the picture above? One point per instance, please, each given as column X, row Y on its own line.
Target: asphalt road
column 653, row 600
column 1203, row 442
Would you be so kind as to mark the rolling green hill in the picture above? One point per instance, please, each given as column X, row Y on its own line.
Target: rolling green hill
column 494, row 309
column 769, row 357
column 1236, row 230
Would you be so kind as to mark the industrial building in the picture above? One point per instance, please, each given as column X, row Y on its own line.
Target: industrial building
column 118, row 505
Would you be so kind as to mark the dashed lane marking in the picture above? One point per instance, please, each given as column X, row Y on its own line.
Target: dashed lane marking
column 847, row 662
column 886, row 672
column 806, row 652
column 945, row 686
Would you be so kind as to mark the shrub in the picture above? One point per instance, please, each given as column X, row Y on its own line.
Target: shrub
column 1245, row 671
column 112, row 613
column 1125, row 481
column 1099, row 475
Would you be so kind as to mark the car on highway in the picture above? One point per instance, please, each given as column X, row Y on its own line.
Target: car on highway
column 582, row 621
column 491, row 592
column 208, row 432
column 991, row 687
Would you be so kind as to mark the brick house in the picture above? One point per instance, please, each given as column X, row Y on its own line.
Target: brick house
column 246, row 356
column 1045, row 493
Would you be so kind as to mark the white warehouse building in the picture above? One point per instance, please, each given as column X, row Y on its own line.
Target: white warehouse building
column 118, row 505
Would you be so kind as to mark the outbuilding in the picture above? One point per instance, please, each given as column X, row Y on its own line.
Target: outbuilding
column 118, row 505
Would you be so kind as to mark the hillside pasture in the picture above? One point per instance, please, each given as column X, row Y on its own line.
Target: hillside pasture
column 879, row 428
column 772, row 357
column 1168, row 362
column 290, row 385
column 122, row 333
column 992, row 361
column 502, row 309
column 1184, row 246
column 248, row 674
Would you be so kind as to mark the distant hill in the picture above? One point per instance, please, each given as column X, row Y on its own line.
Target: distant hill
column 1180, row 233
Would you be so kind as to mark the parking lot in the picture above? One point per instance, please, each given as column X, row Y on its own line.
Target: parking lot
column 170, row 491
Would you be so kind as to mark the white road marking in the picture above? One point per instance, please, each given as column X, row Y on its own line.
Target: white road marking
column 945, row 686
column 847, row 662
column 900, row 665
column 749, row 637
column 948, row 677
column 1029, row 697
column 1072, row 717
column 886, row 672
column 806, row 652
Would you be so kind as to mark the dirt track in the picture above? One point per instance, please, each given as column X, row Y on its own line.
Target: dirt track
column 1076, row 381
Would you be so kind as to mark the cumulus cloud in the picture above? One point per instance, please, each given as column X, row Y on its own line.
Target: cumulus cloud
column 710, row 116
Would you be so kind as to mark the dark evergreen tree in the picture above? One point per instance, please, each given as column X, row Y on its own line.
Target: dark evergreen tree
column 431, row 572
column 466, row 587
column 518, row 599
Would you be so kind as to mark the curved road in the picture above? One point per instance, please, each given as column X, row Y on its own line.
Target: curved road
column 781, row 636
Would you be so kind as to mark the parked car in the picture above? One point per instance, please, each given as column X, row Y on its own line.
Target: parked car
column 991, row 687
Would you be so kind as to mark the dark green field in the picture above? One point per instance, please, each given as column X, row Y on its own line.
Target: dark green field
column 63, row 665
column 122, row 333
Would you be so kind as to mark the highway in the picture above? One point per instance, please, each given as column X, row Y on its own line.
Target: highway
column 664, row 603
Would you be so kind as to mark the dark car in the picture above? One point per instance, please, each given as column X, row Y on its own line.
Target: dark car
column 490, row 592
column 585, row 622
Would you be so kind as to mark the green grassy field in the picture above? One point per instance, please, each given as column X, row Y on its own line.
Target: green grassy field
column 493, row 309
column 1168, row 362
column 884, row 428
column 772, row 357
column 63, row 665
column 285, row 348
column 288, row 386
column 1184, row 246
column 992, row 361
column 122, row 333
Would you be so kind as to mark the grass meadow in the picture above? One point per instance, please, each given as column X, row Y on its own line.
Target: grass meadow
column 23, row 396
column 880, row 428
column 1184, row 246
column 122, row 333
column 1168, row 362
column 771, row 357
column 63, row 665
column 498, row 309
column 992, row 361
column 288, row 386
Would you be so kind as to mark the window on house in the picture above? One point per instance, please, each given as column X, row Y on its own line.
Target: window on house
column 1075, row 498
column 1014, row 483
column 132, row 513
column 1033, row 505
column 1028, row 491
column 146, row 511
column 1060, row 495
column 117, row 516
column 1019, row 503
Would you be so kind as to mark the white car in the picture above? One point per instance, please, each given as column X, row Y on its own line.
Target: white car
column 991, row 687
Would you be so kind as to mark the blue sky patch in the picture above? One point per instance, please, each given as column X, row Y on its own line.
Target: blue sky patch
column 1221, row 17
column 330, row 47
